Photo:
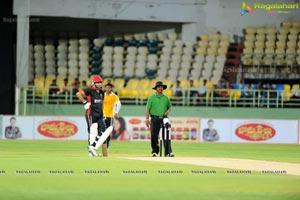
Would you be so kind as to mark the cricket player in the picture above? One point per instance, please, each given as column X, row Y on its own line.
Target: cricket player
column 92, row 98
column 112, row 106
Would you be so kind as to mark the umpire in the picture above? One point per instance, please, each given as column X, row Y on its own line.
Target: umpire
column 158, row 106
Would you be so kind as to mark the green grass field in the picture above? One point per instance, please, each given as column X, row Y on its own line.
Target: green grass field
column 111, row 180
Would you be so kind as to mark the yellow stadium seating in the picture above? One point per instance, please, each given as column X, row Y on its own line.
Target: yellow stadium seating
column 286, row 94
column 60, row 81
column 130, row 91
column 39, row 83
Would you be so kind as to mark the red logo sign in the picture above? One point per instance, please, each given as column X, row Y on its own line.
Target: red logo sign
column 255, row 132
column 57, row 129
column 135, row 121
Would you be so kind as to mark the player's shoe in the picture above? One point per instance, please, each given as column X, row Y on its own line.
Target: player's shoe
column 154, row 154
column 169, row 155
column 93, row 152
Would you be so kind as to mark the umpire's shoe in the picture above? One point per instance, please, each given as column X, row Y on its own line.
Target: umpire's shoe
column 169, row 155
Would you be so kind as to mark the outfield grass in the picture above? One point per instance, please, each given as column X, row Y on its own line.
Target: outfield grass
column 112, row 183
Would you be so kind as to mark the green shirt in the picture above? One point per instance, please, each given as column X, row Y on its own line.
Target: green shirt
column 158, row 105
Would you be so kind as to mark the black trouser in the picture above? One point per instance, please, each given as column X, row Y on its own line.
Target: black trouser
column 88, row 125
column 156, row 124
column 99, row 120
column 108, row 122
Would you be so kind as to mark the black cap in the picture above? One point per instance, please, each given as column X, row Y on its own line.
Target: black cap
column 159, row 83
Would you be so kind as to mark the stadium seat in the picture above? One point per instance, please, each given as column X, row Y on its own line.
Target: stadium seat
column 175, row 58
column 109, row 42
column 186, row 58
column 173, row 73
column 118, row 72
column 108, row 50
column 98, row 42
column 128, row 36
column 164, row 65
column 140, row 73
column 118, row 57
column 174, row 65
column 39, row 83
column 249, row 38
column 152, row 57
column 210, row 59
column 199, row 58
column 130, row 90
column 139, row 36
column 172, row 36
column 168, row 43
column 129, row 64
column 212, row 51
column 188, row 50
column 151, row 36
column 133, row 43
column 260, row 37
column 162, row 36
column 177, row 50
column 142, row 50
column 153, row 50
column 128, row 73
column 166, row 50
column 130, row 58
column 151, row 65
column 204, row 37
column 271, row 37
column 143, row 89
column 107, row 57
column 106, row 72
column 165, row 58
column 62, row 56
column 286, row 94
column 162, row 73
column 197, row 65
column 213, row 44
column 131, row 50
column 84, row 49
column 250, row 30
column 281, row 38
column 195, row 74
column 224, row 44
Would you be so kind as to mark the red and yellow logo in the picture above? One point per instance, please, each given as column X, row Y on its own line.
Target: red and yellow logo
column 135, row 121
column 57, row 129
column 255, row 132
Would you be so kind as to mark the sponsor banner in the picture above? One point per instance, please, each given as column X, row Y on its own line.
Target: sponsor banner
column 185, row 128
column 75, row 128
column 181, row 128
column 17, row 127
column 249, row 131
column 215, row 130
column 265, row 131
column 299, row 132
column 133, row 128
column 70, row 128
column 44, row 127
column 1, row 127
